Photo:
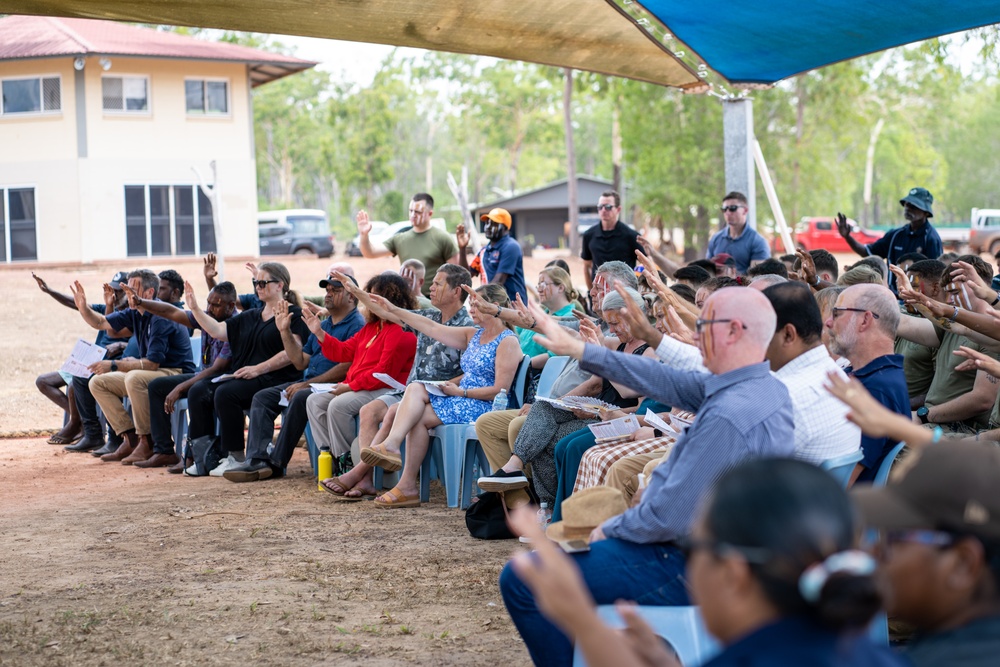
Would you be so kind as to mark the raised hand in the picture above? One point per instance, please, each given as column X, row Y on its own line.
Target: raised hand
column 209, row 267
column 679, row 330
column 318, row 311
column 79, row 296
column 637, row 321
column 975, row 360
column 807, row 271
column 843, row 226
column 480, row 303
column 189, row 297
column 311, row 321
column 133, row 298
column 523, row 318
column 42, row 285
column 410, row 277
column 462, row 236
column 364, row 224
column 283, row 319
column 651, row 272
column 902, row 280
column 591, row 333
column 555, row 339
column 252, row 268
column 380, row 305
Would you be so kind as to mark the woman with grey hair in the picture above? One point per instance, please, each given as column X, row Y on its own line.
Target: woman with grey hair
column 547, row 424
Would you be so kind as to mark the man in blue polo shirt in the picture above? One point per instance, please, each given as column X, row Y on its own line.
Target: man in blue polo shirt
column 740, row 242
column 501, row 260
column 164, row 349
column 918, row 235
column 862, row 327
column 344, row 322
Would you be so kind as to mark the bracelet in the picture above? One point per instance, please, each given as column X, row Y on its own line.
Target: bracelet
column 955, row 316
column 533, row 323
column 497, row 315
column 996, row 300
column 817, row 281
column 465, row 393
column 938, row 433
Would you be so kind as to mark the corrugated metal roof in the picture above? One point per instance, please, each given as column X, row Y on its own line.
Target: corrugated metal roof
column 27, row 37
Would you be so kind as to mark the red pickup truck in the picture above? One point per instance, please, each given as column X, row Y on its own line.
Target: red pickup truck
column 813, row 233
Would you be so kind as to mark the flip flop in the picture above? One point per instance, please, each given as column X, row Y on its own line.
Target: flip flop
column 335, row 480
column 353, row 499
column 62, row 440
column 397, row 499
column 378, row 456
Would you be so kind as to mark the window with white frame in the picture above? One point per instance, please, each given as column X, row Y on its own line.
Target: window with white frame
column 168, row 220
column 206, row 97
column 17, row 225
column 125, row 94
column 24, row 95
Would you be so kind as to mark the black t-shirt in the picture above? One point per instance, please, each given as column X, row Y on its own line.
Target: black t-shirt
column 600, row 246
column 608, row 392
column 254, row 340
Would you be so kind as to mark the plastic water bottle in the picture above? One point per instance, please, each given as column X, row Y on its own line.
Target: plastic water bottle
column 325, row 465
column 500, row 400
column 544, row 516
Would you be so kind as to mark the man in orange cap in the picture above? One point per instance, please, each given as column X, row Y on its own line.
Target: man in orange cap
column 501, row 261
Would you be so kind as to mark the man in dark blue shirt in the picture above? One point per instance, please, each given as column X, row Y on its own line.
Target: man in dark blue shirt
column 862, row 327
column 918, row 235
column 501, row 260
column 164, row 349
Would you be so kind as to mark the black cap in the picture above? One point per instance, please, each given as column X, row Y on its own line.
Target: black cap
column 119, row 279
column 336, row 283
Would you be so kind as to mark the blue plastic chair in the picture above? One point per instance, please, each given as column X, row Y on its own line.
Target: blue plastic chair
column 458, row 447
column 841, row 467
column 178, row 420
column 553, row 367
column 882, row 476
column 515, row 397
column 681, row 627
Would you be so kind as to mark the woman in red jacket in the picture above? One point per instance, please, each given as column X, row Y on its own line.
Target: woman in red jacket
column 380, row 347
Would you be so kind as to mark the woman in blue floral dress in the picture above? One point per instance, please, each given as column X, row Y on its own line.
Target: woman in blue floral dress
column 489, row 361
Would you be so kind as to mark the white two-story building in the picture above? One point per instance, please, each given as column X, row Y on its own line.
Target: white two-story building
column 103, row 128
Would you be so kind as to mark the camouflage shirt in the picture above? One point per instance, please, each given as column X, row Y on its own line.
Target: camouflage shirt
column 435, row 360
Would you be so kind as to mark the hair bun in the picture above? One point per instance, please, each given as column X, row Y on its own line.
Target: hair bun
column 814, row 578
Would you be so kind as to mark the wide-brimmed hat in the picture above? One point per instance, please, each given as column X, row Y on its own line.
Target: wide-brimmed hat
column 336, row 283
column 584, row 511
column 119, row 279
column 497, row 215
column 920, row 198
column 950, row 487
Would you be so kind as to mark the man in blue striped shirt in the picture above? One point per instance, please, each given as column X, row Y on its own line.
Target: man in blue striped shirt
column 743, row 413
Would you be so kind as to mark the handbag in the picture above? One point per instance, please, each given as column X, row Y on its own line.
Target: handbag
column 486, row 517
column 206, row 453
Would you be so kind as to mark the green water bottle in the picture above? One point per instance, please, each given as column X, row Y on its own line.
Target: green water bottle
column 325, row 466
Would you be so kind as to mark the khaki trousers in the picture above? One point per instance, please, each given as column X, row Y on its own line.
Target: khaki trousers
column 110, row 388
column 624, row 473
column 497, row 432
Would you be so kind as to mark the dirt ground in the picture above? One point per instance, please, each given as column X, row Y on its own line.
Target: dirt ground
column 102, row 563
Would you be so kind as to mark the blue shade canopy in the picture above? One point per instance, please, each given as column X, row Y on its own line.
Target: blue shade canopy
column 764, row 42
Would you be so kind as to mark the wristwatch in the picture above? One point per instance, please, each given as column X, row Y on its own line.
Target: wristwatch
column 922, row 414
column 114, row 366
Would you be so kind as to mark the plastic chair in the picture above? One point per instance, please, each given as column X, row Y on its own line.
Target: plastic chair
column 681, row 627
column 178, row 420
column 458, row 447
column 882, row 476
column 841, row 467
column 515, row 397
column 553, row 367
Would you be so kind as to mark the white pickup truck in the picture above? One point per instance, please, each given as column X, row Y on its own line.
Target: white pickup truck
column 985, row 232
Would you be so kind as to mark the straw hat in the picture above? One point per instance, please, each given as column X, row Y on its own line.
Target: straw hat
column 585, row 510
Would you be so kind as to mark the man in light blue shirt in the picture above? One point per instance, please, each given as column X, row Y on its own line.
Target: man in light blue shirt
column 736, row 239
column 632, row 555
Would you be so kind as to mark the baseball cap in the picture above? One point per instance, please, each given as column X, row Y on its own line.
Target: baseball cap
column 951, row 486
column 497, row 215
column 336, row 283
column 723, row 259
column 920, row 198
column 119, row 279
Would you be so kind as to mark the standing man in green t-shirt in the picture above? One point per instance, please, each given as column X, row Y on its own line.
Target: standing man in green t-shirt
column 430, row 245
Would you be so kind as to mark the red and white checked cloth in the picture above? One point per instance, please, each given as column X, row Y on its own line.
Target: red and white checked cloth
column 597, row 460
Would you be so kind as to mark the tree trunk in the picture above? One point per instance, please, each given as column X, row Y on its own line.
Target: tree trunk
column 572, row 197
column 616, row 149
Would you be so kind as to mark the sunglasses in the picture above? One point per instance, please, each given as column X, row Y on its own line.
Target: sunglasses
column 605, row 207
column 262, row 284
column 837, row 310
column 730, row 209
column 699, row 324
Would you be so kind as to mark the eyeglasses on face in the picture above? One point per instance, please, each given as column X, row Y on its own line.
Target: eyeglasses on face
column 606, row 207
column 837, row 310
column 732, row 208
column 699, row 324
column 543, row 285
column 262, row 284
column 688, row 545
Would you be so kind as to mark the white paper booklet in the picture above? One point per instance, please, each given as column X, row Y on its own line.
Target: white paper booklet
column 615, row 428
column 389, row 381
column 322, row 387
column 223, row 378
column 433, row 386
column 83, row 355
column 654, row 420
column 585, row 403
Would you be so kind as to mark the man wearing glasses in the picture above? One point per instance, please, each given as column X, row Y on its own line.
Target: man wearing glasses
column 422, row 241
column 862, row 327
column 611, row 240
column 939, row 546
column 740, row 242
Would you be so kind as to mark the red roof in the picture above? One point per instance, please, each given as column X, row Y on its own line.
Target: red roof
column 25, row 37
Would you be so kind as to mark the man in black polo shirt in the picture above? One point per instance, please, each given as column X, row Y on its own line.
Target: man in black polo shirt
column 610, row 240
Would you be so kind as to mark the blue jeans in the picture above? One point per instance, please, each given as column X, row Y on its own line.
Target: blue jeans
column 568, row 453
column 613, row 569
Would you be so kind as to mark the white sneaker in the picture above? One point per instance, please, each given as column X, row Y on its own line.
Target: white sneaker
column 191, row 470
column 226, row 464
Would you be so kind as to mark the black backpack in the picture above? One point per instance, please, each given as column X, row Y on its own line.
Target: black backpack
column 206, row 452
column 486, row 517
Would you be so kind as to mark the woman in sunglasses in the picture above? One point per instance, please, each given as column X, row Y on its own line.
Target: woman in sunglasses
column 259, row 361
column 771, row 564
